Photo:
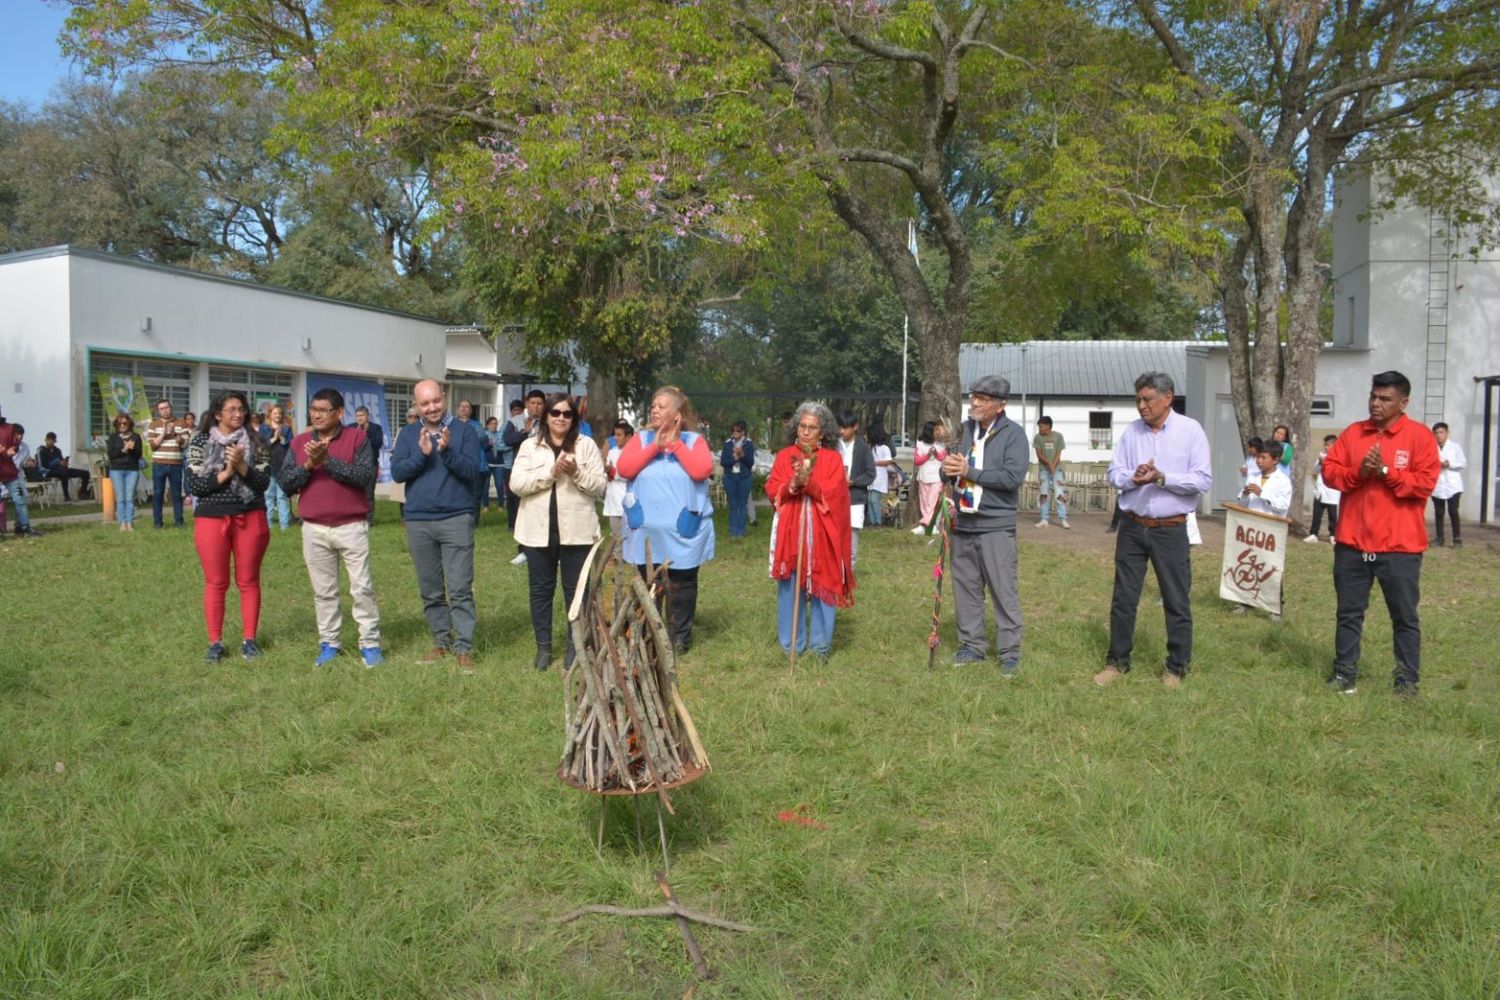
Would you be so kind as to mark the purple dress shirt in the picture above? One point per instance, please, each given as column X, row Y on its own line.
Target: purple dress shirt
column 1180, row 449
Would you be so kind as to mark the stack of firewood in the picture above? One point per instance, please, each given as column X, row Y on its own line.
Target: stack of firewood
column 628, row 731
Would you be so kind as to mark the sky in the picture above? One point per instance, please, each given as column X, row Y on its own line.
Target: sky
column 29, row 59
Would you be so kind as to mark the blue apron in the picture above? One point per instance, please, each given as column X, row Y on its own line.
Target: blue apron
column 666, row 506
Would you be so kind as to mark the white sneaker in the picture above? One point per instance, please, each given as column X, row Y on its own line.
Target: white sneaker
column 1311, row 538
column 1065, row 525
column 519, row 560
column 918, row 530
column 1041, row 524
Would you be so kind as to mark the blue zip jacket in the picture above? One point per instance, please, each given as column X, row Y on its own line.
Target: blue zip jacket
column 439, row 485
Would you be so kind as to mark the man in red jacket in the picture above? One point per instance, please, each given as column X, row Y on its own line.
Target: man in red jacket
column 1385, row 468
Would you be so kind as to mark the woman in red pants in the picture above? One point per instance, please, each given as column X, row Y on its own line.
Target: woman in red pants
column 228, row 469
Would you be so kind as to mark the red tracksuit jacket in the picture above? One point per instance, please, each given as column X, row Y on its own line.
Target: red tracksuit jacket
column 1384, row 514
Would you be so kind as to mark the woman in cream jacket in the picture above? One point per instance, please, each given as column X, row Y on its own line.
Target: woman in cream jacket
column 558, row 475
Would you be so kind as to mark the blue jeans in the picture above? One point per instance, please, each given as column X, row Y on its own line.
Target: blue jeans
column 124, row 481
column 737, row 489
column 873, row 504
column 498, row 475
column 277, row 505
column 817, row 620
column 161, row 476
column 1051, row 484
column 17, row 490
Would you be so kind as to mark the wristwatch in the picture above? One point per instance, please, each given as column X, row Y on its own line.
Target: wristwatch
column 1385, row 470
column 1161, row 480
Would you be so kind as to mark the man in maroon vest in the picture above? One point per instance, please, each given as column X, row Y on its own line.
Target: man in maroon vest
column 333, row 466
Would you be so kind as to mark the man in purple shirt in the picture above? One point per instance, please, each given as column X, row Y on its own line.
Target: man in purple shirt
column 1161, row 468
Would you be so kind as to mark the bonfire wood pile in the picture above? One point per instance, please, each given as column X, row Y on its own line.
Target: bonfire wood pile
column 628, row 731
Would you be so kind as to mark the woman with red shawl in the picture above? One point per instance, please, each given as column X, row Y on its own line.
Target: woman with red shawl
column 810, row 492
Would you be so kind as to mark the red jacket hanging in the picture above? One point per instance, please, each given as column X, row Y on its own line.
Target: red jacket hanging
column 823, row 506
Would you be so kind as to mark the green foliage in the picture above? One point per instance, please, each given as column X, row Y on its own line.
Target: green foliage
column 179, row 830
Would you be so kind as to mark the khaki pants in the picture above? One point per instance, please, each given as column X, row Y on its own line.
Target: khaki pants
column 322, row 548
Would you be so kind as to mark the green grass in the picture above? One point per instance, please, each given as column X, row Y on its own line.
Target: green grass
column 170, row 829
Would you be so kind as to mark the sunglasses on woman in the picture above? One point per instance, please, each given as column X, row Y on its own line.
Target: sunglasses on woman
column 559, row 413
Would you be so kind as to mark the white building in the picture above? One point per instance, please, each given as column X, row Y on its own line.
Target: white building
column 1087, row 387
column 1410, row 294
column 68, row 316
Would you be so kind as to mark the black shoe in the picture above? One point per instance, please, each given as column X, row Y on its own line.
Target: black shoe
column 965, row 657
column 569, row 656
column 27, row 531
column 1458, row 543
column 1406, row 689
column 215, row 653
column 543, row 657
column 1338, row 682
column 249, row 650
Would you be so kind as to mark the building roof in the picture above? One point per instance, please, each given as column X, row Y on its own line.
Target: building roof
column 1095, row 368
column 66, row 250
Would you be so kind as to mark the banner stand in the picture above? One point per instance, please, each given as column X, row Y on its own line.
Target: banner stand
column 1254, row 558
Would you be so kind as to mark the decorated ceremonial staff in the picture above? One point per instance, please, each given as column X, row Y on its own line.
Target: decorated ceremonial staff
column 810, row 557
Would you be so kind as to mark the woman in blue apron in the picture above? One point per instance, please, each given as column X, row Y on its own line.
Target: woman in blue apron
column 666, row 469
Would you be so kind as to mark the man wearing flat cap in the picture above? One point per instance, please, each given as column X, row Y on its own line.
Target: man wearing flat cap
column 990, row 465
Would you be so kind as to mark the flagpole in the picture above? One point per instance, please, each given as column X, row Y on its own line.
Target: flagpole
column 911, row 245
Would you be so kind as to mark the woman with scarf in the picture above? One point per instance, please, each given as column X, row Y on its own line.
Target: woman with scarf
column 811, row 559
column 666, row 468
column 228, row 469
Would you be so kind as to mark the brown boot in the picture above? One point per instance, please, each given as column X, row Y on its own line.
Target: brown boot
column 433, row 655
column 466, row 663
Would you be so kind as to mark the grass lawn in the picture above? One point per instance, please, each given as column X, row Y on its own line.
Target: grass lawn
column 171, row 829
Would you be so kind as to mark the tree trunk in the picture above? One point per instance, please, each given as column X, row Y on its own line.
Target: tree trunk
column 604, row 403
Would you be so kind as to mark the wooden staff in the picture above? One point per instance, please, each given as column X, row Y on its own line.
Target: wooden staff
column 797, row 577
column 944, row 516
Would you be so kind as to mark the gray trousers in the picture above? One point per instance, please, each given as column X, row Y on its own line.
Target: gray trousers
column 443, row 554
column 987, row 560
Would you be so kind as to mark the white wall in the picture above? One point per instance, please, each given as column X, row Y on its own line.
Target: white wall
column 1385, row 264
column 233, row 322
column 35, row 351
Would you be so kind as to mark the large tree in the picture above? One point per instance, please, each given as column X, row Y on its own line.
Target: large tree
column 594, row 148
column 1305, row 87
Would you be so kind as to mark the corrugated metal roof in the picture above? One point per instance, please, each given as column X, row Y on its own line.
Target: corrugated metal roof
column 1094, row 368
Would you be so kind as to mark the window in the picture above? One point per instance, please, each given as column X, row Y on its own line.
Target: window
column 398, row 400
column 161, row 380
column 260, row 386
column 1322, row 406
column 1101, row 430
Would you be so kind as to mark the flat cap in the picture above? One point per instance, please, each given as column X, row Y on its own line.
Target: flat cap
column 991, row 385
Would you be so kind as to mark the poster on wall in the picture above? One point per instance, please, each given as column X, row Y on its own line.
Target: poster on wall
column 1254, row 558
column 261, row 402
column 124, row 394
column 358, row 392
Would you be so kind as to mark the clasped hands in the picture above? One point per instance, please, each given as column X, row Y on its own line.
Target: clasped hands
column 425, row 442
column 566, row 465
column 1371, row 464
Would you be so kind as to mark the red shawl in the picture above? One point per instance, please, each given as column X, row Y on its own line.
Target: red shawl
column 823, row 507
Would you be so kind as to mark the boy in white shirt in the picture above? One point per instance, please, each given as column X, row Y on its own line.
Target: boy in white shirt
column 1450, row 484
column 1273, row 493
column 1325, row 497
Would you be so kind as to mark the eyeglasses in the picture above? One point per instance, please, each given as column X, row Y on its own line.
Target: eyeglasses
column 559, row 413
column 812, row 428
column 320, row 409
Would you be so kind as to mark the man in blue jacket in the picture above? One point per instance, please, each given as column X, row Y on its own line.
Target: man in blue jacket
column 738, row 459
column 440, row 461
